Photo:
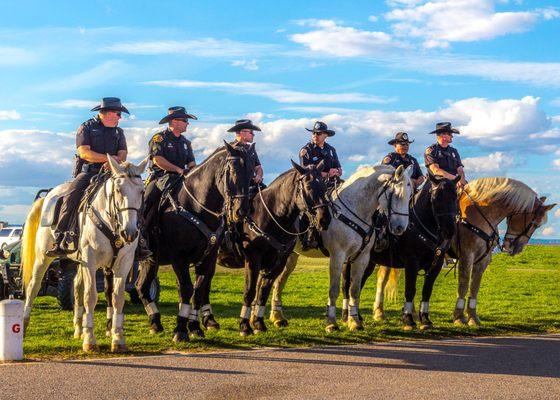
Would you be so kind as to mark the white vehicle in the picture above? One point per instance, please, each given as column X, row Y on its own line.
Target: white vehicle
column 9, row 235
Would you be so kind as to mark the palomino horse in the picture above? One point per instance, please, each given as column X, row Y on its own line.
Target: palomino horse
column 190, row 228
column 484, row 204
column 108, row 239
column 350, row 234
column 268, row 237
column 431, row 228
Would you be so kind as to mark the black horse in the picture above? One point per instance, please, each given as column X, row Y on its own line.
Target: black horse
column 270, row 237
column 189, row 231
column 431, row 228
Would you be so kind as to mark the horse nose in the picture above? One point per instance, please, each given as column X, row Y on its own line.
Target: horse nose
column 399, row 230
column 240, row 212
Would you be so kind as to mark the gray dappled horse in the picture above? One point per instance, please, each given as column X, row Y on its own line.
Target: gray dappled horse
column 350, row 234
column 108, row 239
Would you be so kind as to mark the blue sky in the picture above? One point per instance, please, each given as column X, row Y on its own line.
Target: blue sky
column 367, row 68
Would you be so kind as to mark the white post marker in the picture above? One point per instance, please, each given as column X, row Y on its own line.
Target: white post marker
column 11, row 330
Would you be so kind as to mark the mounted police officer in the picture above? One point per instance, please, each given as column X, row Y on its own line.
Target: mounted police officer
column 244, row 135
column 318, row 150
column 95, row 138
column 401, row 157
column 443, row 159
column 172, row 156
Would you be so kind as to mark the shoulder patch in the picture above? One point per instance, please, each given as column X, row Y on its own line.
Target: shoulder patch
column 303, row 152
column 429, row 150
column 157, row 138
column 387, row 160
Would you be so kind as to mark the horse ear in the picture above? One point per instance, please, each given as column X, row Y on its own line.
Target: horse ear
column 408, row 171
column 549, row 207
column 115, row 167
column 142, row 166
column 301, row 170
column 231, row 150
column 433, row 178
column 542, row 199
column 399, row 172
column 321, row 166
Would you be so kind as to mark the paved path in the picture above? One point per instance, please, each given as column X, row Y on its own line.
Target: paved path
column 482, row 368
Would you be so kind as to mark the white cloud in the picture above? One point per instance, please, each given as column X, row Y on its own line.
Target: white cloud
column 205, row 47
column 248, row 65
column 105, row 72
column 13, row 56
column 77, row 103
column 276, row 92
column 15, row 213
column 557, row 213
column 495, row 163
column 548, row 231
column 340, row 41
column 438, row 23
column 9, row 115
column 556, row 163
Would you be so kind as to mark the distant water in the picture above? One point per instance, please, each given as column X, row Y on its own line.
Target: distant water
column 549, row 242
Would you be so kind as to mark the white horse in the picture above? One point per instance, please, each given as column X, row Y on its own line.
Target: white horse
column 114, row 209
column 368, row 190
column 484, row 204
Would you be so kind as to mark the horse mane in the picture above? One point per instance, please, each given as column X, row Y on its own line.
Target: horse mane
column 367, row 170
column 215, row 152
column 510, row 192
column 280, row 178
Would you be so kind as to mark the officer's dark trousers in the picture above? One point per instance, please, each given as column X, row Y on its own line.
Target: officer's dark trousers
column 152, row 196
column 68, row 219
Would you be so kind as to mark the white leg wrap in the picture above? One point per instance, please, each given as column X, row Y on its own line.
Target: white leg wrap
column 331, row 312
column 353, row 311
column 193, row 316
column 425, row 307
column 118, row 321
column 345, row 304
column 26, row 312
column 78, row 314
column 460, row 305
column 88, row 321
column 408, row 306
column 151, row 308
column 472, row 303
column 245, row 312
column 184, row 310
column 110, row 312
column 206, row 310
column 276, row 306
column 259, row 311
column 378, row 299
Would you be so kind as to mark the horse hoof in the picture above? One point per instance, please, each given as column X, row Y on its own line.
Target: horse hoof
column 258, row 325
column 378, row 315
column 408, row 328
column 107, row 334
column 344, row 317
column 460, row 322
column 210, row 323
column 281, row 323
column 90, row 348
column 179, row 337
column 196, row 333
column 78, row 334
column 118, row 348
column 474, row 322
column 426, row 327
column 332, row 328
column 245, row 327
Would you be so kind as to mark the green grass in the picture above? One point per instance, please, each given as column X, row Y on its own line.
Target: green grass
column 519, row 295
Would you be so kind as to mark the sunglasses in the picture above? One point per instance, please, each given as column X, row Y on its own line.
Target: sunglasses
column 182, row 120
column 318, row 133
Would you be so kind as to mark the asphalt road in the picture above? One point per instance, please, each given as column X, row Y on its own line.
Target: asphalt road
column 481, row 368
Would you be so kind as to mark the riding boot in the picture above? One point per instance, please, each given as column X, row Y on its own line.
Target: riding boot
column 69, row 242
column 142, row 250
column 55, row 250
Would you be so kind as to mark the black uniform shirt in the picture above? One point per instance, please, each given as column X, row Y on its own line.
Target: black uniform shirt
column 101, row 139
column 447, row 158
column 176, row 150
column 395, row 160
column 311, row 154
column 254, row 156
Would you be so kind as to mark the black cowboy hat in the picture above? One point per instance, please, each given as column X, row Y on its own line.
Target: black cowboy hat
column 110, row 103
column 400, row 137
column 321, row 127
column 444, row 127
column 241, row 124
column 176, row 112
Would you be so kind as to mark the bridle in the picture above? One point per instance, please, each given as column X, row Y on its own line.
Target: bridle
column 391, row 182
column 114, row 212
column 532, row 225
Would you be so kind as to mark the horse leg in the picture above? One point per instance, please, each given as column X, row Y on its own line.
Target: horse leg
column 118, row 344
column 40, row 266
column 346, row 278
column 90, row 300
column 208, row 319
column 411, row 273
column 356, row 281
column 203, row 273
column 267, row 278
column 108, row 289
column 478, row 270
column 185, row 288
column 465, row 268
column 427, row 288
column 78, row 304
column 251, row 277
column 335, row 270
column 382, row 279
column 146, row 274
column 276, row 314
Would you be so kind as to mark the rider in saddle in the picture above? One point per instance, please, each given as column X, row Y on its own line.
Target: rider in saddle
column 95, row 138
column 311, row 154
column 443, row 159
column 172, row 156
column 401, row 157
column 244, row 134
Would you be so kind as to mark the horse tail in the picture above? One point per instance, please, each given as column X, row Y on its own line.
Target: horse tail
column 28, row 240
column 392, row 285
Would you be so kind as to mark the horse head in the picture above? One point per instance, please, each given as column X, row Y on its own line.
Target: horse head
column 443, row 197
column 310, row 196
column 238, row 172
column 522, row 225
column 394, row 198
column 126, row 190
